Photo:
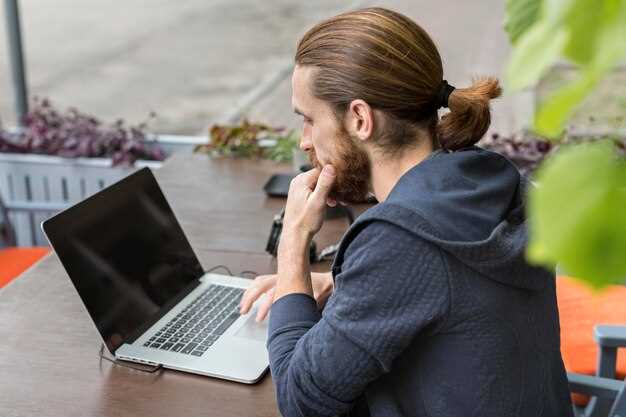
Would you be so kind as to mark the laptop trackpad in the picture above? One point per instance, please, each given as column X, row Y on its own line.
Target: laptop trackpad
column 253, row 330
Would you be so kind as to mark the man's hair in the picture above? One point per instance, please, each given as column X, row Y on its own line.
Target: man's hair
column 390, row 62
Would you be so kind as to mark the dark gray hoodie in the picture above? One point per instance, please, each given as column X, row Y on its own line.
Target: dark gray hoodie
column 435, row 311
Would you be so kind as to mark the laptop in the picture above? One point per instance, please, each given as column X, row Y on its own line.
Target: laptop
column 145, row 289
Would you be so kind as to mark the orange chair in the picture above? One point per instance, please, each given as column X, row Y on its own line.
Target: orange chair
column 584, row 314
column 13, row 260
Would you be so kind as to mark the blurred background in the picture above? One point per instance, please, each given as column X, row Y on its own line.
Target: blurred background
column 200, row 62
column 204, row 66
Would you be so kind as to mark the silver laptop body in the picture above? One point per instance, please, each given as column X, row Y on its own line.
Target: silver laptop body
column 145, row 290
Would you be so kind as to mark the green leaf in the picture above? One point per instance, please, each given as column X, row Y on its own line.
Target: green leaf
column 552, row 115
column 520, row 16
column 611, row 42
column 536, row 51
column 539, row 43
column 584, row 29
column 576, row 213
column 285, row 146
column 606, row 49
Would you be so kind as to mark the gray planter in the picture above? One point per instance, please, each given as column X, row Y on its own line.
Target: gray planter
column 34, row 187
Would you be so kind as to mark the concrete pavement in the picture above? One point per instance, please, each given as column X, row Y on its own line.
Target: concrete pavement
column 199, row 61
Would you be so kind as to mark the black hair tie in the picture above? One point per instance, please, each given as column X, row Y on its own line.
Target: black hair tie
column 443, row 94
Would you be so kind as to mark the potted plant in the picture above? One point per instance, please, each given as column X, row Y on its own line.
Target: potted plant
column 59, row 158
column 251, row 140
column 527, row 150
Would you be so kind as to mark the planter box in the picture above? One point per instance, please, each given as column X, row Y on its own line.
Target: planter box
column 34, row 187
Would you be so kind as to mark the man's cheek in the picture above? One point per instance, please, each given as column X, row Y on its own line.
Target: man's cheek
column 313, row 158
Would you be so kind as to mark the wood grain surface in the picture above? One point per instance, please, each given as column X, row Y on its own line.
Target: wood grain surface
column 49, row 363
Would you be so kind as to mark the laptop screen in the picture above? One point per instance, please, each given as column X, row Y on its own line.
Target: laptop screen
column 126, row 255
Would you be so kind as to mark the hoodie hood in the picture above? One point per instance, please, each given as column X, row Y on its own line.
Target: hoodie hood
column 469, row 203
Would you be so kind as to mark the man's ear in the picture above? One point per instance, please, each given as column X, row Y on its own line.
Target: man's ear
column 360, row 120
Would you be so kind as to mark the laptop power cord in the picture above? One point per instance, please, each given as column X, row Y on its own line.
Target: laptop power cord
column 225, row 268
column 137, row 367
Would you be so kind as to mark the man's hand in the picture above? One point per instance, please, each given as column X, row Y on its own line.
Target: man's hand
column 306, row 203
column 266, row 284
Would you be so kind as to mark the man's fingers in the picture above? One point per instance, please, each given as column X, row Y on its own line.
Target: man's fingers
column 324, row 183
column 266, row 304
column 309, row 178
column 261, row 284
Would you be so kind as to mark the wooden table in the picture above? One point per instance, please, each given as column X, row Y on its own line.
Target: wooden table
column 49, row 363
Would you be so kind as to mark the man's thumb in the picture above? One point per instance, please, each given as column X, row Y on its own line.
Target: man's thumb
column 325, row 182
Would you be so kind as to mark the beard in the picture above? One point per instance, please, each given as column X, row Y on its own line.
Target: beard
column 352, row 170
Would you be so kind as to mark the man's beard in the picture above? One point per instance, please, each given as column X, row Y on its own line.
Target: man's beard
column 352, row 168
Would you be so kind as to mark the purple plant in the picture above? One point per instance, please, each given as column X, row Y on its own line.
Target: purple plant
column 74, row 134
column 527, row 151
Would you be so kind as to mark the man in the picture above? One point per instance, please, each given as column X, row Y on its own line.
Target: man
column 434, row 311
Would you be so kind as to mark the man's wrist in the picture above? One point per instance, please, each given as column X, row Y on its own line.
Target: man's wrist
column 293, row 257
column 294, row 275
column 295, row 234
column 294, row 244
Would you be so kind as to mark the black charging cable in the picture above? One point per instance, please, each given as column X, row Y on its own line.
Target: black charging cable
column 254, row 274
column 216, row 267
column 142, row 368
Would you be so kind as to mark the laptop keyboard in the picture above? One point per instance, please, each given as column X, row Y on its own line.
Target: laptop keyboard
column 200, row 323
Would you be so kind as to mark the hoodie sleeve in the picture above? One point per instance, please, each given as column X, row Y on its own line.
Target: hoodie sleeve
column 392, row 285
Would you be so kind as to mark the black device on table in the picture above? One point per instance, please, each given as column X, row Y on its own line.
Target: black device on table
column 278, row 186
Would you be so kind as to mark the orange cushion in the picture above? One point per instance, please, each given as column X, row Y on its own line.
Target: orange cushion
column 14, row 261
column 580, row 309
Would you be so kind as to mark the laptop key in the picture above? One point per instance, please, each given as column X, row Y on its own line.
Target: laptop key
column 177, row 347
column 155, row 345
column 147, row 344
column 189, row 348
column 226, row 323
column 166, row 346
column 197, row 353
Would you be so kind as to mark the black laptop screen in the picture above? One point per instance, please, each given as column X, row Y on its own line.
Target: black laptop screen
column 126, row 255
